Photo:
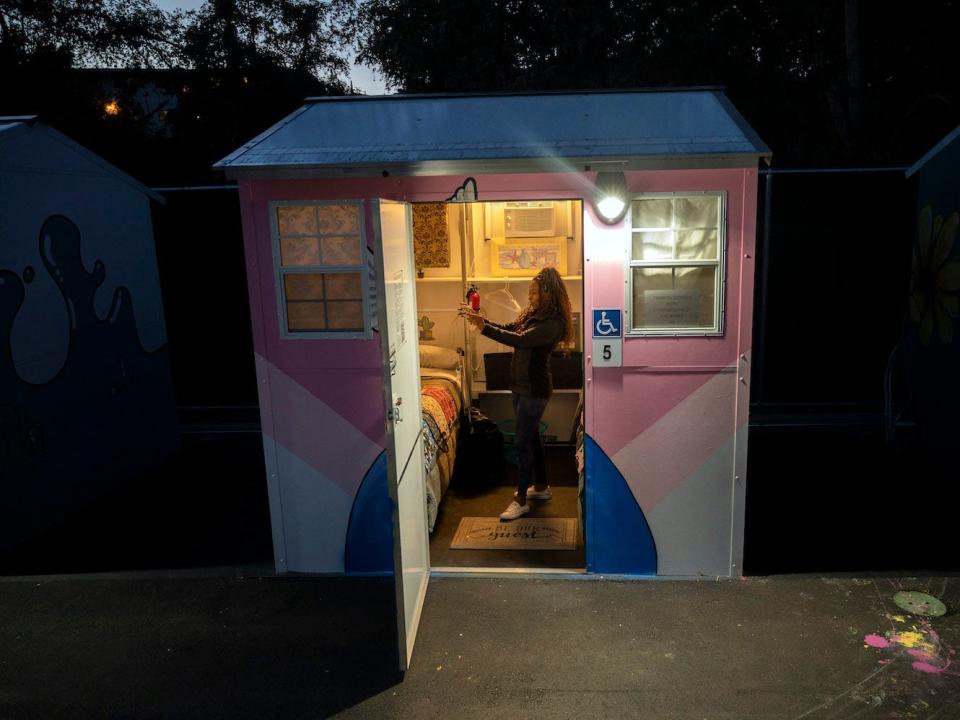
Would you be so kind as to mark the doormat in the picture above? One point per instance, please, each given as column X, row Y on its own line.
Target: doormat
column 484, row 533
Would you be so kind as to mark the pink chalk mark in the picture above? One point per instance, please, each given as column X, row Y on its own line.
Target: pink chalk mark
column 921, row 654
column 927, row 668
column 876, row 641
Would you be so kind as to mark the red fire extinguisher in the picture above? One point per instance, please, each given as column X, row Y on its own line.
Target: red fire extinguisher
column 473, row 297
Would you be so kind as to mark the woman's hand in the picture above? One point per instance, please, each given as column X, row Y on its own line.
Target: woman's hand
column 471, row 317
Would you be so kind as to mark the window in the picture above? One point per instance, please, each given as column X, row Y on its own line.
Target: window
column 676, row 276
column 321, row 269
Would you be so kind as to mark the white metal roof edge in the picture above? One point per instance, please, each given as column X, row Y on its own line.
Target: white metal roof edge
column 935, row 150
column 231, row 161
column 249, row 145
column 296, row 171
column 531, row 93
column 31, row 123
column 748, row 132
column 16, row 125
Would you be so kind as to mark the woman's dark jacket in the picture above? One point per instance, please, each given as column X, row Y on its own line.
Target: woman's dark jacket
column 530, row 365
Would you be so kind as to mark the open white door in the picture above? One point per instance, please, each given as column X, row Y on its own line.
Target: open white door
column 401, row 358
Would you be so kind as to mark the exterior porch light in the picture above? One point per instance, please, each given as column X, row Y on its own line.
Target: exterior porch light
column 610, row 196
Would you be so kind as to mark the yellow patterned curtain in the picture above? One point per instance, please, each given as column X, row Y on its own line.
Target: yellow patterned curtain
column 431, row 241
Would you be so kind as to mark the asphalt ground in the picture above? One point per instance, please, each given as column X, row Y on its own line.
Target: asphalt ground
column 195, row 645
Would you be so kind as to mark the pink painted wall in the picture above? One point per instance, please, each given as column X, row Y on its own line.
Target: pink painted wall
column 673, row 418
column 330, row 418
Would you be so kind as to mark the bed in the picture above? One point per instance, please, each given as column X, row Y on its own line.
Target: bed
column 441, row 399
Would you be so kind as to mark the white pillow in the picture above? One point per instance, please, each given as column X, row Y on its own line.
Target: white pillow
column 438, row 357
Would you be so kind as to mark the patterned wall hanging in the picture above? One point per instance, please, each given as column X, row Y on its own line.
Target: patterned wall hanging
column 431, row 240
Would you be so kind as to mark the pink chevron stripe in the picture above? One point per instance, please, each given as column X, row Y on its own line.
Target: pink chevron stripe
column 671, row 449
column 313, row 431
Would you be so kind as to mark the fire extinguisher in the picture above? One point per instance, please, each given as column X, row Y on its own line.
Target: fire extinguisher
column 473, row 297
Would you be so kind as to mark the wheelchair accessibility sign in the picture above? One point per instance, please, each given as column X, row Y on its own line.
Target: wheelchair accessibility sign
column 607, row 338
column 606, row 323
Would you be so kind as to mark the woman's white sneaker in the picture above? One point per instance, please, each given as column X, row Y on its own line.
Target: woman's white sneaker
column 534, row 494
column 514, row 511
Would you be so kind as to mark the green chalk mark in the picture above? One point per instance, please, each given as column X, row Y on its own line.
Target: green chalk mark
column 919, row 603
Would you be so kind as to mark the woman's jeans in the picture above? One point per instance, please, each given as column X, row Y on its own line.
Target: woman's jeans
column 530, row 462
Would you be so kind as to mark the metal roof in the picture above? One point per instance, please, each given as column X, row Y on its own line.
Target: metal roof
column 434, row 134
column 14, row 126
column 933, row 152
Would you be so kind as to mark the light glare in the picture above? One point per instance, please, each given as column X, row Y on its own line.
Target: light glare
column 610, row 207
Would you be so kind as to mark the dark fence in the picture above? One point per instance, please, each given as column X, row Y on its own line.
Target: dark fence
column 829, row 471
column 832, row 289
column 203, row 275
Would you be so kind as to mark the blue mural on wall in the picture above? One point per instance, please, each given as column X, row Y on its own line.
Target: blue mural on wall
column 369, row 546
column 619, row 540
column 106, row 414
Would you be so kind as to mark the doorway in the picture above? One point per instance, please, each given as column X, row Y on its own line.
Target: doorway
column 495, row 248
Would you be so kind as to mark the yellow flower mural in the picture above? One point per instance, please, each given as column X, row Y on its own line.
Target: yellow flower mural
column 935, row 276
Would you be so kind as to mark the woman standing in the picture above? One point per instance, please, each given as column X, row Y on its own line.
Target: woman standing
column 544, row 324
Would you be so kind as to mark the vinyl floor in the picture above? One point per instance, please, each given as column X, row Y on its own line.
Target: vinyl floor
column 463, row 501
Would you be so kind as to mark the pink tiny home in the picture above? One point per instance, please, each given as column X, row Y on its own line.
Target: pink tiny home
column 367, row 219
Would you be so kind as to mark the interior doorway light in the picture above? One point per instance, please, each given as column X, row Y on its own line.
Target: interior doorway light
column 610, row 196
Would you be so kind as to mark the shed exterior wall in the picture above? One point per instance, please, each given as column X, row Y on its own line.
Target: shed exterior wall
column 930, row 337
column 673, row 419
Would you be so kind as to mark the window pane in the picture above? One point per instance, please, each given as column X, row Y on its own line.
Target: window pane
column 339, row 218
column 681, row 297
column 343, row 286
column 657, row 245
column 299, row 219
column 299, row 251
column 697, row 244
column 303, row 286
column 698, row 211
column 303, row 316
column 345, row 315
column 341, row 250
column 653, row 213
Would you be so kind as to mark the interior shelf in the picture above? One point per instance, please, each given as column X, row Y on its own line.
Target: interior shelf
column 517, row 279
column 456, row 279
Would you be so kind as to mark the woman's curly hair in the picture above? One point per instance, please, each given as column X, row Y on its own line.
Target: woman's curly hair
column 553, row 300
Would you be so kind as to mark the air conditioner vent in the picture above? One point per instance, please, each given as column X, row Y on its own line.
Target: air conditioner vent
column 529, row 219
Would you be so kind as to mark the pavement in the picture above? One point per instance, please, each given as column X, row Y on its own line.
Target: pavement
column 200, row 645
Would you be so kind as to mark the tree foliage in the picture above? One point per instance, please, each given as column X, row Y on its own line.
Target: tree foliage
column 86, row 32
column 824, row 81
column 218, row 75
column 292, row 34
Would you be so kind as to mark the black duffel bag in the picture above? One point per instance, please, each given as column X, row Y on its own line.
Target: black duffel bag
column 479, row 453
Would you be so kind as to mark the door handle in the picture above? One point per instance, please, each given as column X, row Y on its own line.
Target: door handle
column 394, row 412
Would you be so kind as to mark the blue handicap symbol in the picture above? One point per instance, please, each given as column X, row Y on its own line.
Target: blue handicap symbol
column 606, row 322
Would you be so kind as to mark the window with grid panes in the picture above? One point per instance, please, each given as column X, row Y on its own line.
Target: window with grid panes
column 321, row 268
column 675, row 281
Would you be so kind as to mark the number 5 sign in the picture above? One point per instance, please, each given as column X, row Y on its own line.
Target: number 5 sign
column 607, row 338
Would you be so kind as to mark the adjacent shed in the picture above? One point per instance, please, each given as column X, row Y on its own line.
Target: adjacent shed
column 931, row 342
column 88, row 397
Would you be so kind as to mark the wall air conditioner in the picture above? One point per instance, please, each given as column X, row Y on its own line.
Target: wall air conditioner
column 529, row 219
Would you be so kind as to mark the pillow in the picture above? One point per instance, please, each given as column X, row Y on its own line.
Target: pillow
column 438, row 357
